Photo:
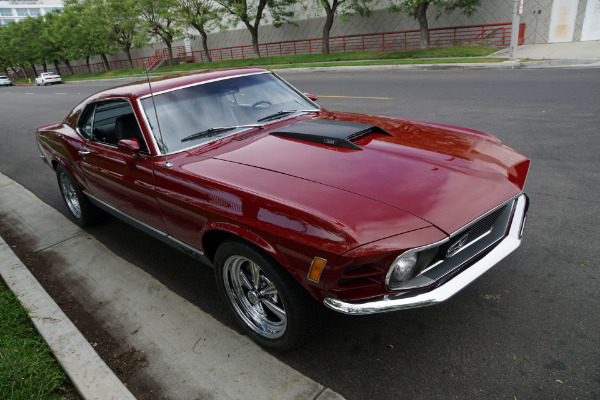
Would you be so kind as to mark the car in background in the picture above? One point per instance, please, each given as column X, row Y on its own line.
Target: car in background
column 295, row 206
column 46, row 78
column 5, row 81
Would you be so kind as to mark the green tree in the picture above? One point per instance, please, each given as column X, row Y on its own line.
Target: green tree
column 161, row 20
column 86, row 33
column 203, row 16
column 23, row 43
column 251, row 13
column 6, row 53
column 347, row 8
column 418, row 10
column 63, row 42
column 121, row 18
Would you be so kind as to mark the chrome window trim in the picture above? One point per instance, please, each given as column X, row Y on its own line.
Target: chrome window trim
column 296, row 90
column 153, row 136
column 95, row 104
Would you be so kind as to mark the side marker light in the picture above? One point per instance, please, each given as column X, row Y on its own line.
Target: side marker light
column 314, row 274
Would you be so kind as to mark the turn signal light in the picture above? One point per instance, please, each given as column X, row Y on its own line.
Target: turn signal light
column 314, row 274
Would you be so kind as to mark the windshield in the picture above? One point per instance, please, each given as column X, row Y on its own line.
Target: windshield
column 232, row 103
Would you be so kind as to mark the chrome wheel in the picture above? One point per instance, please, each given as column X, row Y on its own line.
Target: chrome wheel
column 254, row 297
column 70, row 195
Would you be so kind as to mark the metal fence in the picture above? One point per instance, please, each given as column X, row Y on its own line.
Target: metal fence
column 497, row 34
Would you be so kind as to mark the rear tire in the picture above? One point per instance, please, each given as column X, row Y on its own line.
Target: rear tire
column 81, row 210
column 269, row 305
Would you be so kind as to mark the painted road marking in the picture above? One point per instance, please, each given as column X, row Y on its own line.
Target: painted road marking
column 359, row 97
column 59, row 93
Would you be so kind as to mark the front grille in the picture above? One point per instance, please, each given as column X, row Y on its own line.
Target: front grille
column 470, row 234
column 360, row 276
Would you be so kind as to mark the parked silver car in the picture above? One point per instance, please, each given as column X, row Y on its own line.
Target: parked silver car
column 5, row 81
column 46, row 78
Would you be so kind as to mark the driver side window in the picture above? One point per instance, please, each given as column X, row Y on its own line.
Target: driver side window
column 110, row 121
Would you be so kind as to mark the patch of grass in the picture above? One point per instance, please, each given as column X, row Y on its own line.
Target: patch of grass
column 389, row 62
column 426, row 56
column 301, row 59
column 28, row 370
column 117, row 73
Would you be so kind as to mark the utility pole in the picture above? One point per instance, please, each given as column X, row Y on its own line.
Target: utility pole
column 514, row 34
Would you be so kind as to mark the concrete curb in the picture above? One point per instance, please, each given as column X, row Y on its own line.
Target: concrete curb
column 92, row 378
column 190, row 354
column 515, row 64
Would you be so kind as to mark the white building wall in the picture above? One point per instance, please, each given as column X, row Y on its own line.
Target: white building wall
column 18, row 10
column 536, row 16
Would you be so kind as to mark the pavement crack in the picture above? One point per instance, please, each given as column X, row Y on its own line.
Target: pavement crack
column 61, row 242
column 320, row 393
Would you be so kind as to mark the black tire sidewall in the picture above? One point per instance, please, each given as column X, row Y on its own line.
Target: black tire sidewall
column 88, row 211
column 287, row 287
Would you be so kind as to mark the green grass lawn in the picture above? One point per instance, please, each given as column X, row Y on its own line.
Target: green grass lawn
column 456, row 54
column 28, row 370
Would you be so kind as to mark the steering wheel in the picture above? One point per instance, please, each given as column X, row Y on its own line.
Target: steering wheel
column 264, row 104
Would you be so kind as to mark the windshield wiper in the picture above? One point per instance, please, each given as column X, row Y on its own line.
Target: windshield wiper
column 284, row 112
column 219, row 129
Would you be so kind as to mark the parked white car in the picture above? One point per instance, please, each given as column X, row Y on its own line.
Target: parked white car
column 5, row 81
column 46, row 78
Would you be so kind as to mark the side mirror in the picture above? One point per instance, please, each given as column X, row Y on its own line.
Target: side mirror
column 128, row 146
column 311, row 96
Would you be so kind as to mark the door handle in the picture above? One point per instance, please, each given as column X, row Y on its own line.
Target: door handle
column 84, row 152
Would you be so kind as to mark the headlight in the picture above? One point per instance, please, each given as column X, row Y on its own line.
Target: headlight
column 408, row 264
column 403, row 267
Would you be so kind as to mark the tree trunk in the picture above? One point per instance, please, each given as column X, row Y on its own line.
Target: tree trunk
column 68, row 64
column 254, row 33
column 128, row 52
column 421, row 15
column 45, row 66
column 330, row 13
column 34, row 70
column 105, row 61
column 5, row 71
column 87, row 64
column 15, row 72
column 56, row 66
column 205, row 45
column 170, row 51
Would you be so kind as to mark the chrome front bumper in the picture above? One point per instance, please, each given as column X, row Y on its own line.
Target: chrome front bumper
column 442, row 293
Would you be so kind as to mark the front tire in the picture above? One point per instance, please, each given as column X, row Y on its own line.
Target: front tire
column 270, row 306
column 81, row 210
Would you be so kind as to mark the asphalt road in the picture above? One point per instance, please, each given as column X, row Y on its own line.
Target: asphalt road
column 528, row 329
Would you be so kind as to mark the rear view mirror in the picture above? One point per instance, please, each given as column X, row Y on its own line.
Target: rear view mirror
column 311, row 96
column 128, row 146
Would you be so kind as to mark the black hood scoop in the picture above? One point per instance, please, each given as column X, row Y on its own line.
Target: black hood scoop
column 330, row 132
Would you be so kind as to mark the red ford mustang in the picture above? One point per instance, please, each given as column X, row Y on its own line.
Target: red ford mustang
column 294, row 205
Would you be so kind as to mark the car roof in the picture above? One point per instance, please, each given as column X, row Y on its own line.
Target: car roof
column 140, row 88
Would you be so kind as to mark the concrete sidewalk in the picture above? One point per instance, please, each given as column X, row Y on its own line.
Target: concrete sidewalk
column 190, row 354
column 589, row 51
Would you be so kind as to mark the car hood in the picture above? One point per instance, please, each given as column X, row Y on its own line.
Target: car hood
column 445, row 175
